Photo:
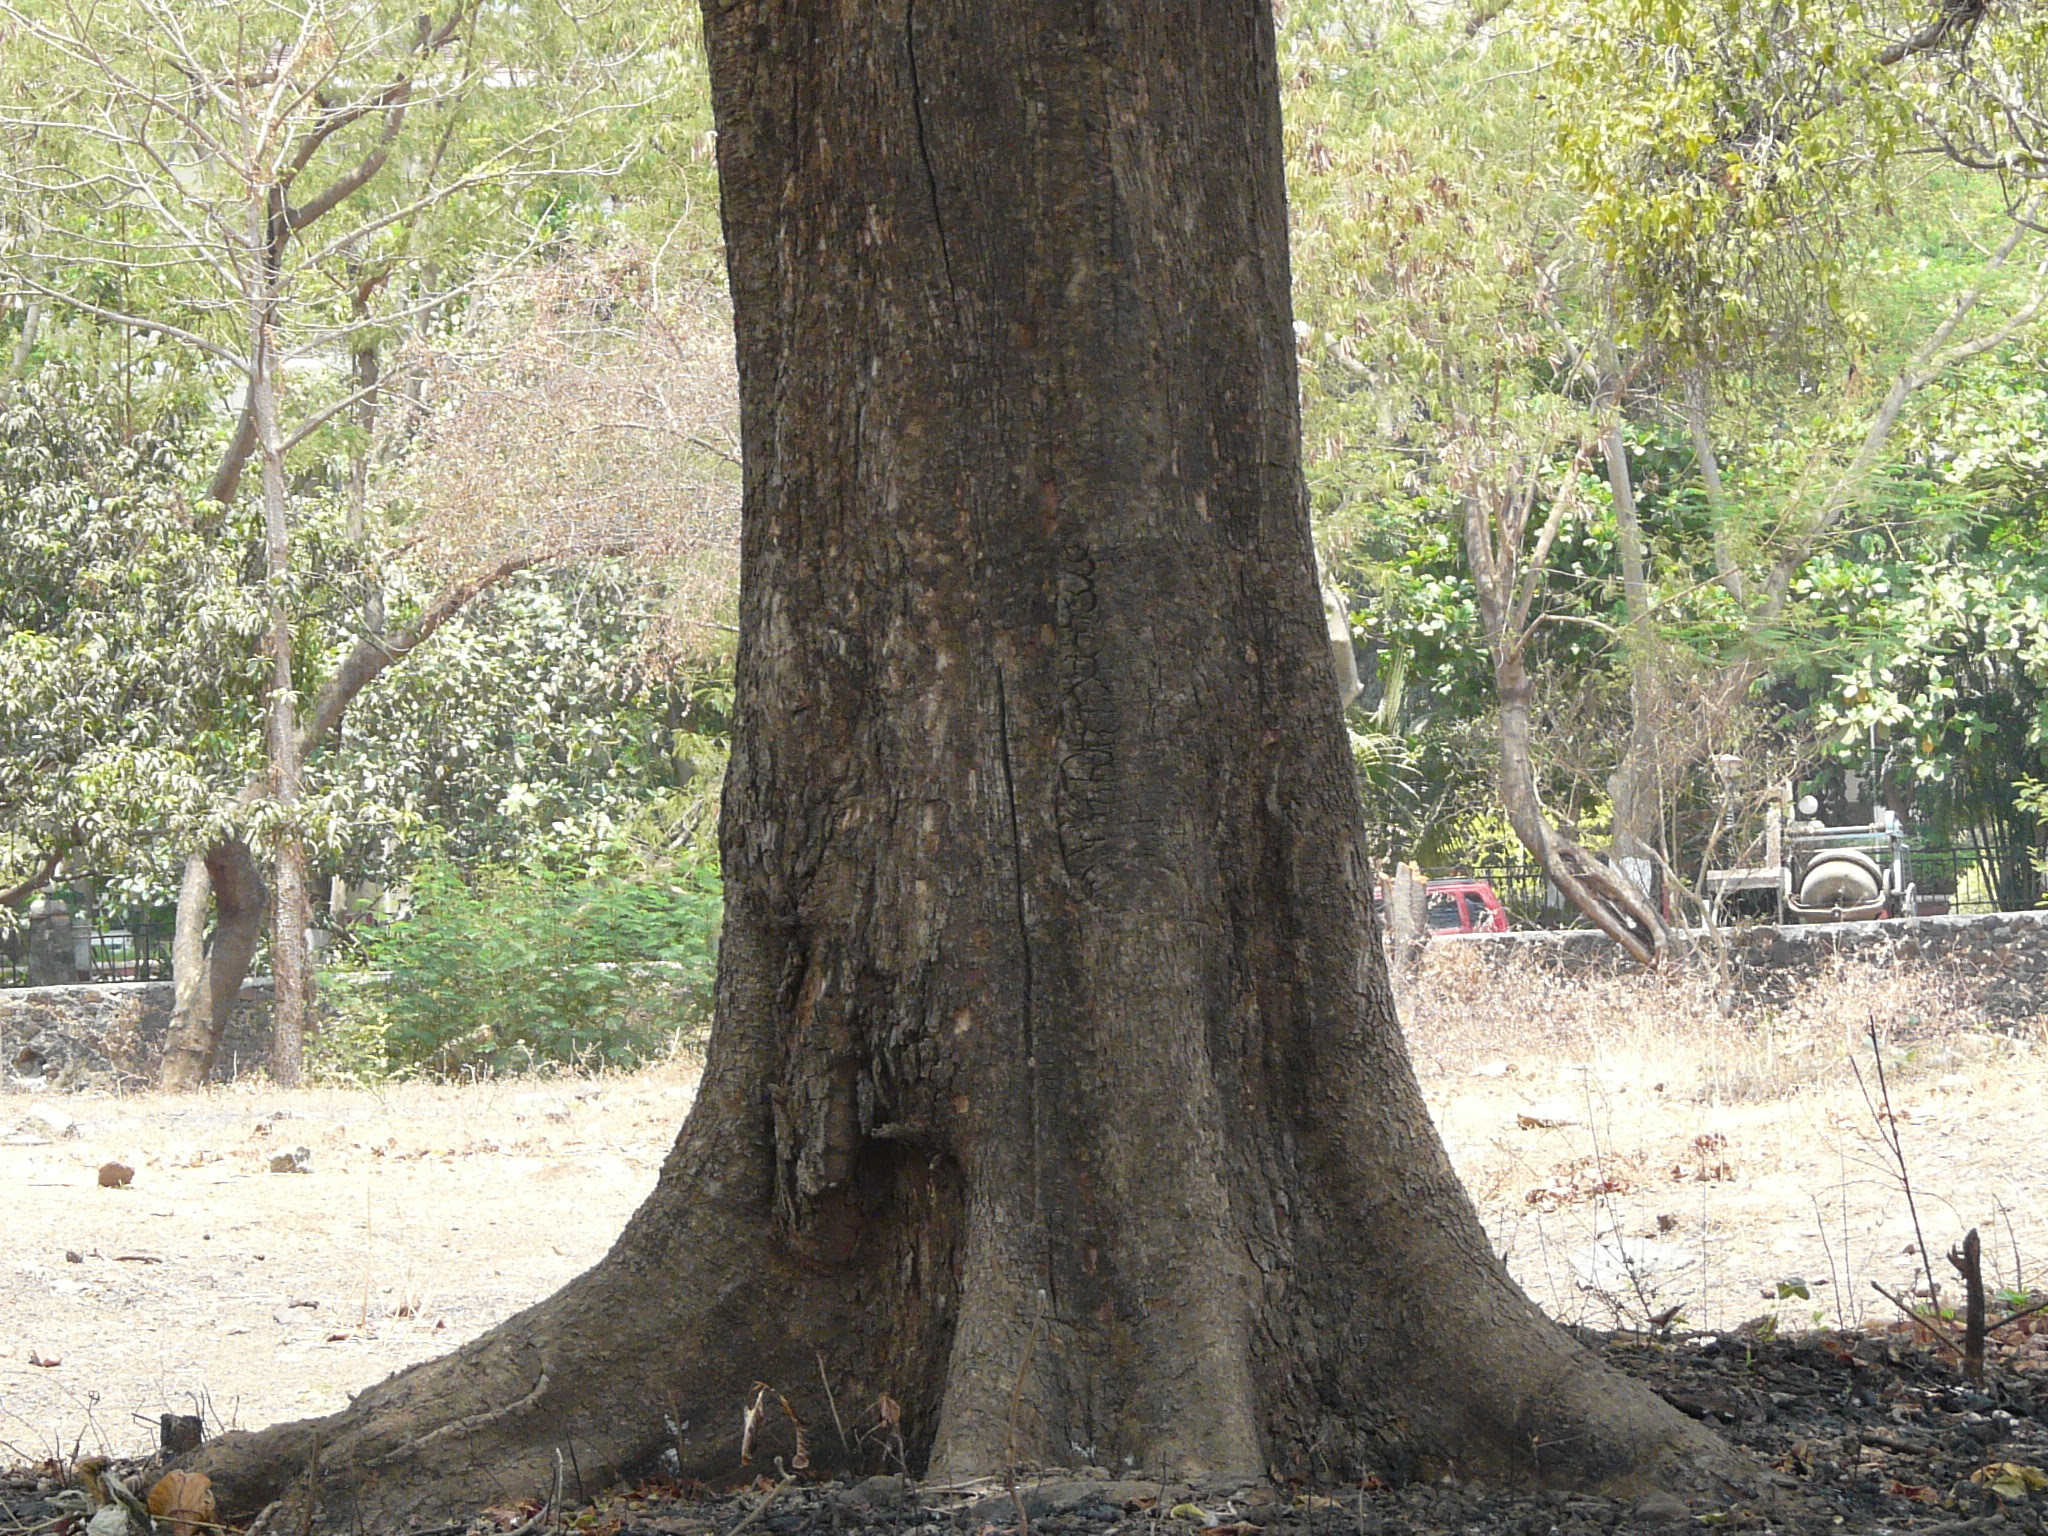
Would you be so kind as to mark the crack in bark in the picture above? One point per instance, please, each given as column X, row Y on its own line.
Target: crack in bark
column 924, row 152
column 464, row 1425
column 1024, row 948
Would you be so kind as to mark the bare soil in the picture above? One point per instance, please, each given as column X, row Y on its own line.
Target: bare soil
column 1632, row 1151
column 211, row 1284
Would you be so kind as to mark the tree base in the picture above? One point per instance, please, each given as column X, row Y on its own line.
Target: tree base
column 707, row 1345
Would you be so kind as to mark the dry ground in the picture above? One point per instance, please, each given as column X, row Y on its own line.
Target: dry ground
column 1632, row 1151
column 1629, row 1148
column 212, row 1284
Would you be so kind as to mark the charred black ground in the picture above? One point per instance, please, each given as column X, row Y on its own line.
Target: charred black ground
column 1862, row 1433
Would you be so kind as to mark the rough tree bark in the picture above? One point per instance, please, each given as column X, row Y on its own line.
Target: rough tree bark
column 1055, row 1089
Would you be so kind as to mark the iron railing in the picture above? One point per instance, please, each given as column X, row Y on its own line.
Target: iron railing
column 126, row 944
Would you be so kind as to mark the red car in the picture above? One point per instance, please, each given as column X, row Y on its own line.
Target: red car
column 1461, row 905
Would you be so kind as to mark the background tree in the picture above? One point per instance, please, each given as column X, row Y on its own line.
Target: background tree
column 1516, row 260
column 1732, row 180
column 270, row 190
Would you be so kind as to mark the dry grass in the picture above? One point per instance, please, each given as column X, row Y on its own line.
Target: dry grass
column 1632, row 1149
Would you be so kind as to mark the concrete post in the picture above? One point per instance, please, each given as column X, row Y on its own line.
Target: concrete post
column 52, row 960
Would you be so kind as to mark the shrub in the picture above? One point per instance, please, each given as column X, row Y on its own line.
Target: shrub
column 507, row 969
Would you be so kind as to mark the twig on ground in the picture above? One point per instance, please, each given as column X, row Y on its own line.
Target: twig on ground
column 1820, row 1223
column 312, row 1489
column 766, row 1499
column 551, row 1504
column 1932, row 1321
column 1888, row 1133
column 837, row 1423
column 1010, row 1432
column 2013, row 1317
column 2019, row 1273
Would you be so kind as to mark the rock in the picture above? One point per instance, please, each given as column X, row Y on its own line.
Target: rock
column 52, row 1119
column 1059, row 1496
column 878, row 1492
column 116, row 1176
column 177, row 1434
column 298, row 1160
column 1661, row 1509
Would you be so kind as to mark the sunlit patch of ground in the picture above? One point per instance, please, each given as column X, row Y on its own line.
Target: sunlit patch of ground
column 213, row 1284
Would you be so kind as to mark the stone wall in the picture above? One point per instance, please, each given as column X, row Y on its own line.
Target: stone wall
column 2002, row 958
column 113, row 1032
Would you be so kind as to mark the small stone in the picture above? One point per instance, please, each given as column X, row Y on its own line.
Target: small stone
column 878, row 1492
column 116, row 1176
column 54, row 1120
column 73, row 1256
column 1661, row 1509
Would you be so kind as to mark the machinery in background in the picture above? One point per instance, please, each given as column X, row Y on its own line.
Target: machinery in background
column 1818, row 873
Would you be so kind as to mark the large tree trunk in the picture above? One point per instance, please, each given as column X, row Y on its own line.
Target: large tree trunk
column 209, row 969
column 1056, row 1090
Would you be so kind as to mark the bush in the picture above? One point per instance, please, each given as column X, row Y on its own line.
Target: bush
column 506, row 969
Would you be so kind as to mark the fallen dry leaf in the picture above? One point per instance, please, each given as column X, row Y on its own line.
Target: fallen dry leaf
column 2011, row 1480
column 184, row 1500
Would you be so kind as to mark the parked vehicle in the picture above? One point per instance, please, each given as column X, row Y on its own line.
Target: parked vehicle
column 1460, row 905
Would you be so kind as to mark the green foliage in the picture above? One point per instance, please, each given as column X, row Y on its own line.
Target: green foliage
column 509, row 969
column 534, row 727
column 127, row 630
column 1722, row 148
column 532, row 730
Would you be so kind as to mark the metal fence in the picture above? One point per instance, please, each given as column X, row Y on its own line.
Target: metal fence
column 1966, row 877
column 129, row 944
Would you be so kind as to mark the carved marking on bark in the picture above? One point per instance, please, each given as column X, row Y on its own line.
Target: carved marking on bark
column 1090, row 724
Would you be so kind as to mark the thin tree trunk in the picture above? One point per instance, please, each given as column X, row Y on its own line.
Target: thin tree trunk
column 226, row 483
column 1055, row 1090
column 1633, row 787
column 366, row 371
column 1507, row 579
column 209, row 970
column 1699, row 426
column 291, row 912
column 25, row 343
